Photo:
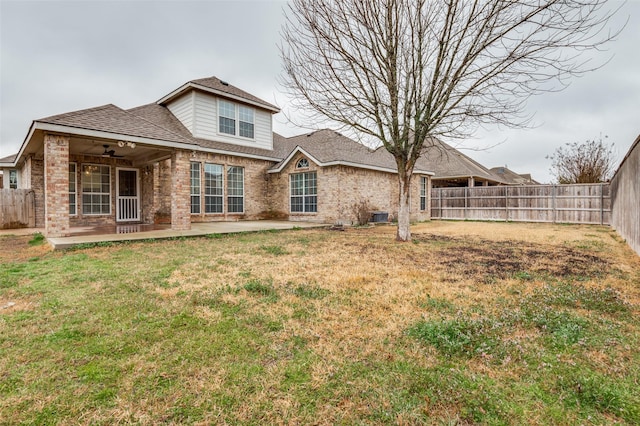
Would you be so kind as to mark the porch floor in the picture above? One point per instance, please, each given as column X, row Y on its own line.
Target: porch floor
column 87, row 235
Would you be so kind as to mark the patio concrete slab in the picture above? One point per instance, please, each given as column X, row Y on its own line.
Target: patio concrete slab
column 197, row 229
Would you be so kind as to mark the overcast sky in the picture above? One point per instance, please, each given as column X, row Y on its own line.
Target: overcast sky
column 61, row 56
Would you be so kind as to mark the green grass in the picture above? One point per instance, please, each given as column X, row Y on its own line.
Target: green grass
column 310, row 326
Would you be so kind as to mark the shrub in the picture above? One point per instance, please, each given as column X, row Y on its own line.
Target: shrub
column 362, row 211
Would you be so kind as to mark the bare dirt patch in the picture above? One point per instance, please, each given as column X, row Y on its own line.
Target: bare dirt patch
column 16, row 248
column 504, row 259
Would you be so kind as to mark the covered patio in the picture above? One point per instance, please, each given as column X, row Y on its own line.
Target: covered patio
column 134, row 232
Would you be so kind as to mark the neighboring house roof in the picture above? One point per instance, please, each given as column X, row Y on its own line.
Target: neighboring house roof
column 9, row 159
column 221, row 88
column 327, row 147
column 512, row 178
column 449, row 163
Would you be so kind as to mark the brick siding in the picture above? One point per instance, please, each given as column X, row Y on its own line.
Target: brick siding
column 56, row 172
column 339, row 188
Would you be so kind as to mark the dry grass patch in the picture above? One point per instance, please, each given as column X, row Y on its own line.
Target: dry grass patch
column 470, row 323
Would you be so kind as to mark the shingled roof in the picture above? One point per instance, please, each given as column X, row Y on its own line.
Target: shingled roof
column 219, row 87
column 9, row 159
column 111, row 119
column 329, row 147
column 449, row 163
column 512, row 178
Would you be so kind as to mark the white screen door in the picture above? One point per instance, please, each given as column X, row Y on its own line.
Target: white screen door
column 128, row 200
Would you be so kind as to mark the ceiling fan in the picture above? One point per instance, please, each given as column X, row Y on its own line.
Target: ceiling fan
column 111, row 153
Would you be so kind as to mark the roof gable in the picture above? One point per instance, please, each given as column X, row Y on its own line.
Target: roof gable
column 221, row 88
column 327, row 148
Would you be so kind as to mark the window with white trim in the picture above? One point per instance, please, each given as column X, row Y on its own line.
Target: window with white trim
column 73, row 190
column 96, row 189
column 235, row 189
column 245, row 120
column 213, row 188
column 303, row 163
column 13, row 179
column 195, row 188
column 423, row 193
column 230, row 113
column 227, row 117
column 304, row 192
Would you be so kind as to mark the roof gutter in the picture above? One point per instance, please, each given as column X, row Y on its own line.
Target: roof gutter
column 57, row 128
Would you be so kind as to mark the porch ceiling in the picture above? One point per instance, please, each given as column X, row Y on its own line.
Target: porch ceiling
column 140, row 155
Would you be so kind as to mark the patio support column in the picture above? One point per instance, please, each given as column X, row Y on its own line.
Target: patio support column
column 180, row 191
column 56, row 185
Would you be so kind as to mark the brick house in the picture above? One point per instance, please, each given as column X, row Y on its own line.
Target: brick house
column 204, row 152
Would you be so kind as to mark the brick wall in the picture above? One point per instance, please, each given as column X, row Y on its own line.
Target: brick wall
column 147, row 186
column 37, row 184
column 56, row 171
column 81, row 219
column 255, row 187
column 180, row 191
column 162, row 192
column 339, row 188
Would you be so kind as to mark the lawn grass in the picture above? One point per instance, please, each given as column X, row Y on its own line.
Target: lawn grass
column 492, row 323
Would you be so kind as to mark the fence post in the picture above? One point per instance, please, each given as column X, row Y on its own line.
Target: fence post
column 553, row 203
column 506, row 202
column 466, row 190
column 601, row 203
column 440, row 201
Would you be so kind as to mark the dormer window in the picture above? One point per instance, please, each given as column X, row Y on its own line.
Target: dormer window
column 230, row 113
column 227, row 117
column 303, row 163
column 246, row 121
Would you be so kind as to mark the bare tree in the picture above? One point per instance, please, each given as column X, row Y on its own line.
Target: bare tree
column 592, row 161
column 403, row 71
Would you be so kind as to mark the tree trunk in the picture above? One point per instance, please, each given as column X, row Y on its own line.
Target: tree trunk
column 404, row 208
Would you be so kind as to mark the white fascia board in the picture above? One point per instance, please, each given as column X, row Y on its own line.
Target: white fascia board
column 339, row 163
column 147, row 141
column 191, row 85
column 290, row 156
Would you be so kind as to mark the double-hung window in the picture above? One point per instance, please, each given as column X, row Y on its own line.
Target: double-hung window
column 96, row 189
column 235, row 119
column 304, row 192
column 227, row 117
column 235, row 189
column 73, row 190
column 423, row 193
column 13, row 179
column 245, row 115
column 195, row 188
column 213, row 188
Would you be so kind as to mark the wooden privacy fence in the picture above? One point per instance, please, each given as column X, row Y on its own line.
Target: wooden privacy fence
column 534, row 203
column 625, row 197
column 17, row 208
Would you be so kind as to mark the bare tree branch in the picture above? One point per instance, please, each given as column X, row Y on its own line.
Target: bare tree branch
column 401, row 72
